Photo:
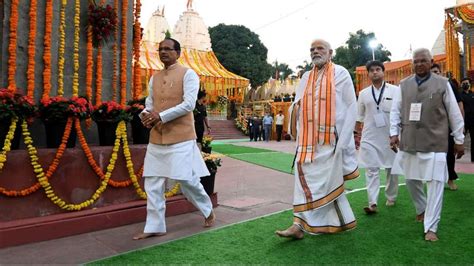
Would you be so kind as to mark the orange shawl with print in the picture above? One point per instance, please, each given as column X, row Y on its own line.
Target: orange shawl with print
column 317, row 119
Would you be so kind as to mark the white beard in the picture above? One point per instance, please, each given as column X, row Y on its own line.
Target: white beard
column 319, row 62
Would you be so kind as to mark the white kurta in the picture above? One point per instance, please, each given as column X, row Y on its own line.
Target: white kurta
column 174, row 161
column 325, row 175
column 426, row 166
column 375, row 148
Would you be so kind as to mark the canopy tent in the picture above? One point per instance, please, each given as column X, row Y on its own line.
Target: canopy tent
column 215, row 79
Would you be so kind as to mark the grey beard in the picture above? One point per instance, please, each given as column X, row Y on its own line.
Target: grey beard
column 319, row 62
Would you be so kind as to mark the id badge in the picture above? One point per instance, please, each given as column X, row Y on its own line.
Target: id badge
column 415, row 112
column 379, row 120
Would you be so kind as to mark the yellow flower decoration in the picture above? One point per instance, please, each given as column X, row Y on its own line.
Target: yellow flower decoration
column 8, row 142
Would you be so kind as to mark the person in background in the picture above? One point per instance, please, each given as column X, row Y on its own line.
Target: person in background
column 467, row 98
column 200, row 117
column 267, row 126
column 279, row 121
column 450, row 159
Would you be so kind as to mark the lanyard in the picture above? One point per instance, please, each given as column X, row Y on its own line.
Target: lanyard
column 377, row 101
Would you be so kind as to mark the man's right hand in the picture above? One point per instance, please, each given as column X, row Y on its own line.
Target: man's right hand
column 394, row 142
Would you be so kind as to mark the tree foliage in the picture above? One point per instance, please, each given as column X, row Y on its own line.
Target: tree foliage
column 240, row 51
column 356, row 52
column 306, row 66
column 281, row 70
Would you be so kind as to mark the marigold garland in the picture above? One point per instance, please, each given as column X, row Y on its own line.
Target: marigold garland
column 43, row 180
column 93, row 163
column 115, row 50
column 12, row 45
column 77, row 21
column 47, row 49
column 30, row 73
column 131, row 172
column 89, row 65
column 123, row 62
column 98, row 79
column 8, row 142
column 33, row 157
column 137, row 32
column 62, row 43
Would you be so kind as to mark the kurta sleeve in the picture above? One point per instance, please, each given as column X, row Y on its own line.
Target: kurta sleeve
column 149, row 99
column 360, row 108
column 456, row 121
column 395, row 116
column 190, row 90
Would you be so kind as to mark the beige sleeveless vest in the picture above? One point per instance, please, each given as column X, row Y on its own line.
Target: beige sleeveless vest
column 168, row 92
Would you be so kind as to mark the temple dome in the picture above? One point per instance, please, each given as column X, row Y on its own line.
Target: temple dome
column 191, row 31
column 156, row 27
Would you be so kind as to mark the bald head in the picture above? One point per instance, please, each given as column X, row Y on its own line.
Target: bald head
column 321, row 52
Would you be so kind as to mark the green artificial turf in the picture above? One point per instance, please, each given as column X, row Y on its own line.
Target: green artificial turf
column 280, row 161
column 389, row 237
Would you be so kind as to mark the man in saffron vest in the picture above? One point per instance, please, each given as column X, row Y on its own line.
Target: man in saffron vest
column 423, row 112
column 322, row 118
column 172, row 151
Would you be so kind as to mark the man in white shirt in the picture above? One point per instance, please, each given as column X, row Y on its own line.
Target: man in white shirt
column 423, row 112
column 279, row 121
column 373, row 124
column 172, row 151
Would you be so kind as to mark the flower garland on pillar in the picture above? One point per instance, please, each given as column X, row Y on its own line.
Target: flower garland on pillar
column 77, row 25
column 62, row 44
column 30, row 73
column 89, row 65
column 123, row 61
column 7, row 143
column 98, row 78
column 47, row 49
column 12, row 45
column 43, row 180
column 115, row 63
column 137, row 32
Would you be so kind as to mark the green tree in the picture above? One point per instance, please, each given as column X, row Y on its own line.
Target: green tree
column 240, row 51
column 281, row 70
column 306, row 66
column 356, row 52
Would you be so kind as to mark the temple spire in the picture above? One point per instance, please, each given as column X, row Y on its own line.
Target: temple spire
column 189, row 5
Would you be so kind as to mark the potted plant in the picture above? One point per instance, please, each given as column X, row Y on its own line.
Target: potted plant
column 55, row 111
column 14, row 105
column 212, row 162
column 140, row 133
column 206, row 144
column 107, row 116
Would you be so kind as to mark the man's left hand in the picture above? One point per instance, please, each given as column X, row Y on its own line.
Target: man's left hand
column 149, row 120
column 458, row 150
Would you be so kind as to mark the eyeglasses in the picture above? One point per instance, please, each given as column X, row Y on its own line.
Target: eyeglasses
column 166, row 49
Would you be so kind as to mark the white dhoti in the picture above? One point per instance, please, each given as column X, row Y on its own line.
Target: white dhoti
column 429, row 168
column 320, row 204
column 182, row 162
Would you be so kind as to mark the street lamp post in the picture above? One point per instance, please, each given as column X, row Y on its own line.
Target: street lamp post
column 373, row 44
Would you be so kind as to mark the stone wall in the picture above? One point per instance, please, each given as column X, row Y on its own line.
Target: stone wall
column 22, row 51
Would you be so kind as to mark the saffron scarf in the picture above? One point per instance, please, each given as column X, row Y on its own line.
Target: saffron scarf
column 317, row 119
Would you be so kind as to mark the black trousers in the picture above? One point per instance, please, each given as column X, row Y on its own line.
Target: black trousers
column 470, row 129
column 279, row 129
column 451, row 160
